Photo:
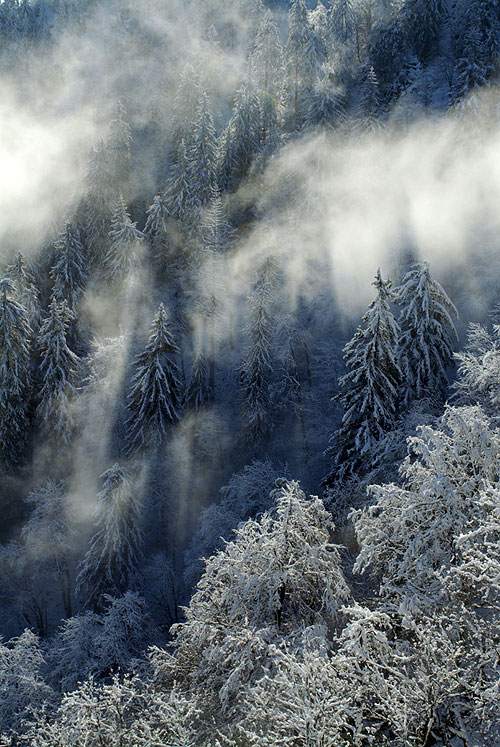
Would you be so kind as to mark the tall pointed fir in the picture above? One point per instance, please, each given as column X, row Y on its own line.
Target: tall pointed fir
column 179, row 194
column 59, row 368
column 202, row 155
column 421, row 22
column 302, row 65
column 156, row 229
column 198, row 391
column 98, row 201
column 342, row 20
column 26, row 290
column 427, row 332
column 126, row 243
column 155, row 396
column 115, row 548
column 256, row 365
column 370, row 105
column 118, row 145
column 15, row 380
column 68, row 271
column 369, row 390
column 242, row 139
column 266, row 57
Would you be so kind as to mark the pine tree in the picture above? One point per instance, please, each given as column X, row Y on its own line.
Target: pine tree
column 179, row 194
column 59, row 368
column 370, row 105
column 342, row 20
column 15, row 380
column 198, row 390
column 302, row 64
column 126, row 242
column 369, row 390
column 155, row 395
column 427, row 331
column 68, row 270
column 242, row 139
column 266, row 57
column 256, row 367
column 156, row 229
column 26, row 290
column 421, row 21
column 115, row 548
column 202, row 155
column 118, row 146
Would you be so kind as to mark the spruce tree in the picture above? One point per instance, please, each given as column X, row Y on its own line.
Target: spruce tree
column 342, row 20
column 26, row 290
column 302, row 64
column 68, row 270
column 256, row 366
column 155, row 395
column 198, row 390
column 369, row 390
column 115, row 548
column 202, row 155
column 126, row 242
column 15, row 380
column 156, row 229
column 426, row 336
column 59, row 368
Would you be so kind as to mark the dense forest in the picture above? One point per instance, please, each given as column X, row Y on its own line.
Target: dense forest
column 249, row 373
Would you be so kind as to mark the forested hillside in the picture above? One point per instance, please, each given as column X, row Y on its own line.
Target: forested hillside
column 249, row 373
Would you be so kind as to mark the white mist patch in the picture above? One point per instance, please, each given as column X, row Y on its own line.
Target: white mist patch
column 41, row 159
column 339, row 206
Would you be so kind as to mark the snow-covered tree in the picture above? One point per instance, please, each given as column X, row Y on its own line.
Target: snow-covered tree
column 126, row 242
column 202, row 155
column 266, row 56
column 342, row 20
column 478, row 376
column 59, row 368
column 26, row 290
column 281, row 572
column 48, row 544
column 302, row 63
column 421, row 21
column 15, row 379
column 425, row 346
column 256, row 366
column 156, row 229
column 155, row 397
column 22, row 686
column 242, row 139
column 179, row 186
column 198, row 391
column 370, row 388
column 115, row 548
column 68, row 271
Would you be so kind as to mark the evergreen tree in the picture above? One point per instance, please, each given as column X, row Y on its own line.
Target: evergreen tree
column 266, row 57
column 242, row 139
column 126, row 242
column 179, row 194
column 118, row 146
column 26, row 290
column 59, row 368
column 115, row 548
column 68, row 271
column 426, row 337
column 198, row 390
column 421, row 21
column 202, row 155
column 342, row 20
column 369, row 390
column 155, row 395
column 156, row 229
column 15, row 380
column 256, row 367
column 302, row 64
column 370, row 105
